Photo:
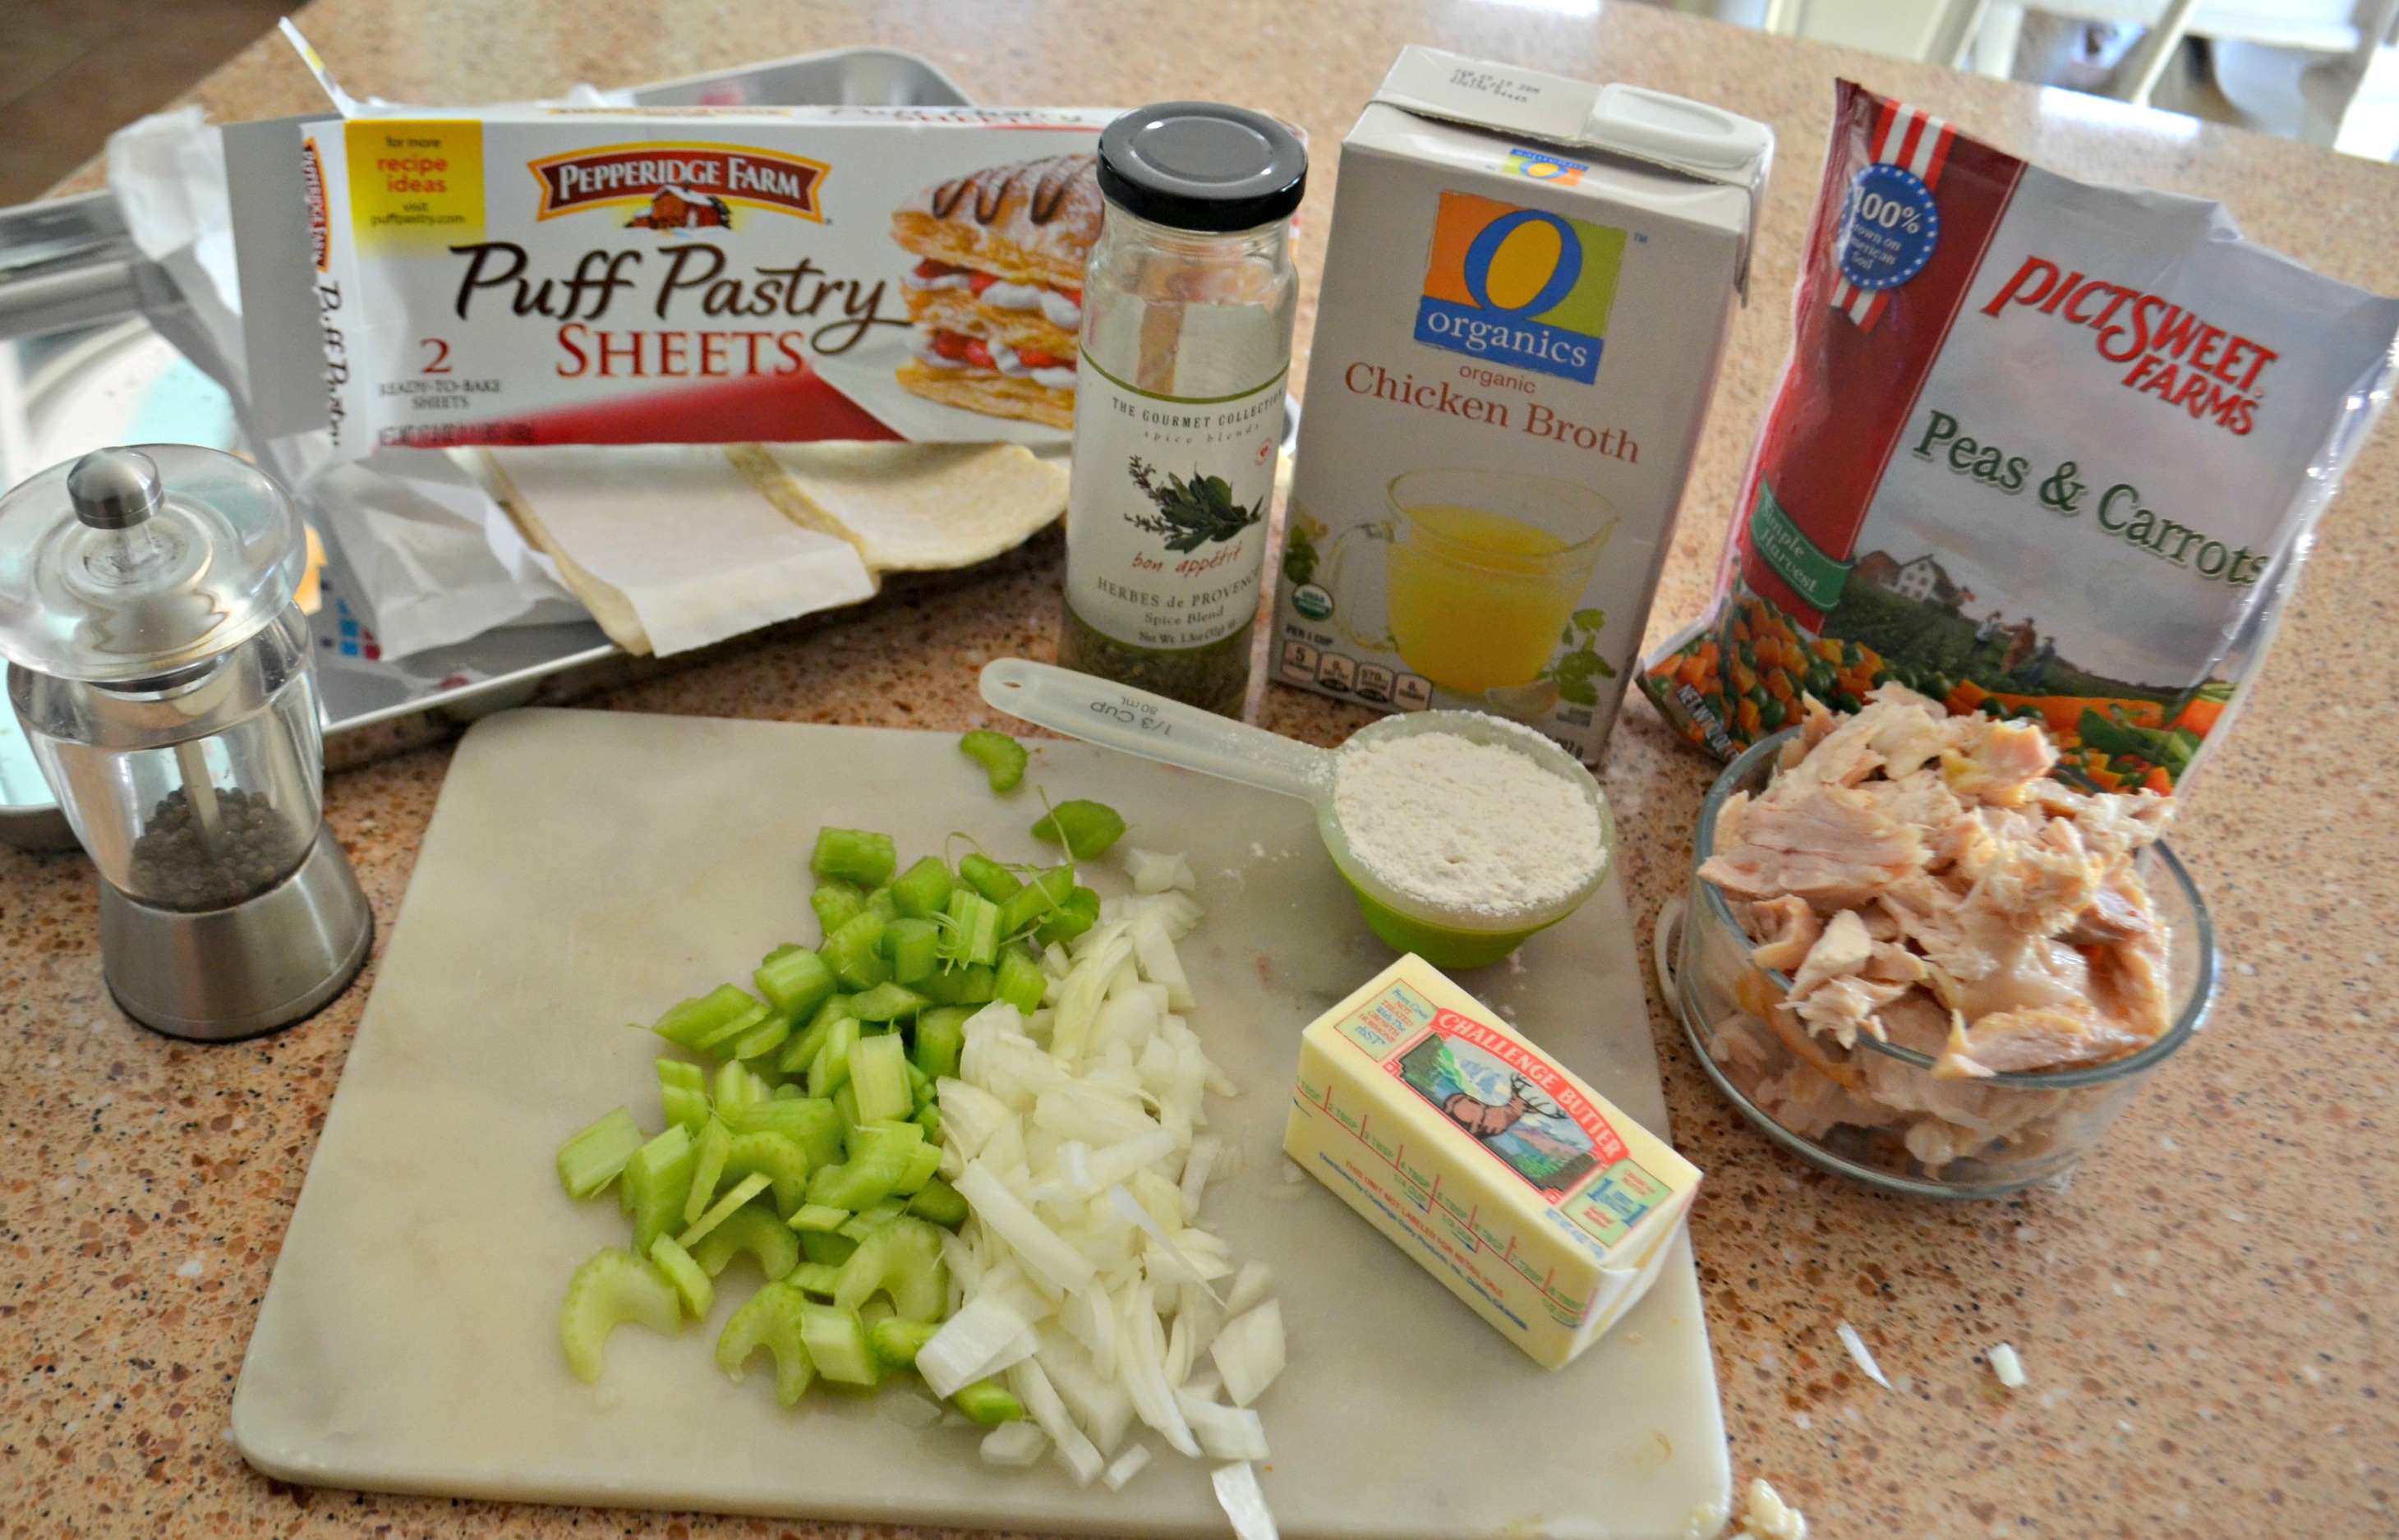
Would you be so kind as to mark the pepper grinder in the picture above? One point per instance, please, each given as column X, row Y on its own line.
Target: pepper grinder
column 163, row 678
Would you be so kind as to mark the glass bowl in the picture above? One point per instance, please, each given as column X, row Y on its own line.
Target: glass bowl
column 1894, row 1127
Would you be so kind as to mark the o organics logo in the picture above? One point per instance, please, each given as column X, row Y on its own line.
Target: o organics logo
column 680, row 187
column 1519, row 285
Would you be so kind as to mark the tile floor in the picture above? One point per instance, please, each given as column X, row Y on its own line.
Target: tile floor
column 73, row 71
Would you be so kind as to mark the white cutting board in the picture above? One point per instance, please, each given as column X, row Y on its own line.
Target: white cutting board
column 585, row 870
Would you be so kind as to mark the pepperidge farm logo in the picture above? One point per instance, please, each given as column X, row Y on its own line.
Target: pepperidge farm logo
column 1519, row 285
column 680, row 187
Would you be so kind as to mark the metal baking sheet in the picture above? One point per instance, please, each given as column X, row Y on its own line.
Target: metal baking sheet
column 75, row 290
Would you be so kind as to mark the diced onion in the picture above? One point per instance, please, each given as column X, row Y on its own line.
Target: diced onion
column 2008, row 1367
column 1225, row 1432
column 1237, row 1492
column 1249, row 1352
column 1046, row 1258
column 1041, row 1398
column 1125, row 1467
column 962, row 1351
column 1858, row 1355
column 1083, row 1273
column 1018, row 1443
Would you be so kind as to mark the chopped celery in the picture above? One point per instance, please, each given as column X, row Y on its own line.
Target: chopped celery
column 940, row 1202
column 878, row 1077
column 658, row 1177
column 957, row 986
column 855, row 951
column 591, row 1159
column 687, row 1024
column 779, row 1155
column 881, row 904
column 809, row 1122
column 754, row 1230
column 816, row 1277
column 855, row 855
column 893, row 1138
column 818, row 1216
column 836, row 1343
column 824, row 1247
column 988, row 1402
column 690, row 1283
column 835, row 1056
column 714, row 1041
column 683, row 1087
column 802, row 1050
column 1077, row 914
column 923, row 889
column 861, row 1225
column 738, row 1085
column 741, row 1192
column 974, row 928
column 794, row 981
column 765, row 1038
column 1086, row 829
column 844, row 1102
column 896, row 1341
column 1002, row 757
column 866, row 1179
column 903, row 1259
column 920, row 1085
column 886, row 1003
column 715, row 1143
column 771, row 1319
column 989, row 878
column 941, row 1038
column 613, row 1287
column 836, row 904
column 1033, row 902
column 929, row 1119
column 923, row 1161
column 914, row 948
column 1020, row 980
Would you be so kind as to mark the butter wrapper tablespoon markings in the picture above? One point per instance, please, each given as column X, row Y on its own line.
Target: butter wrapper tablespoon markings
column 1117, row 716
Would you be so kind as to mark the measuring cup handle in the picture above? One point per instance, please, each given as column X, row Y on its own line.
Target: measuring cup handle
column 1117, row 716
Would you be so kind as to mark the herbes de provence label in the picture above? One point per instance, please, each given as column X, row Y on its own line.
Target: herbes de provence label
column 1167, row 519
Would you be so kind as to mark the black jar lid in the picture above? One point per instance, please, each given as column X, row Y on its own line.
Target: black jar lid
column 1202, row 165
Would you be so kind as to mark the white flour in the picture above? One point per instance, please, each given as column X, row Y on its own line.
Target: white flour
column 1474, row 829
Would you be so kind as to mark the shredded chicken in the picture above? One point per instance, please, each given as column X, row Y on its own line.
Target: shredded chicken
column 1922, row 881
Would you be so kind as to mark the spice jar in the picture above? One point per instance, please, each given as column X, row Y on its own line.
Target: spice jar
column 162, row 674
column 1187, row 308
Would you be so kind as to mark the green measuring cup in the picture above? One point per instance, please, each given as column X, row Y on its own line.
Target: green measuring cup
column 1117, row 716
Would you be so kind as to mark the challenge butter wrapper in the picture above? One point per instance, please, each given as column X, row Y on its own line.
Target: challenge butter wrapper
column 1542, row 1207
column 1526, row 294
column 555, row 276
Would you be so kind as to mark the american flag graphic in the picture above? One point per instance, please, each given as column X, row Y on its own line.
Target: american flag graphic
column 1920, row 143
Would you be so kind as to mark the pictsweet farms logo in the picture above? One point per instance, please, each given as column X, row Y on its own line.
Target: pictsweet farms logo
column 680, row 187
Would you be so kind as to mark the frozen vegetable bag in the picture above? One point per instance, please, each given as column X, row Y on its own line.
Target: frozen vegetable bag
column 2040, row 449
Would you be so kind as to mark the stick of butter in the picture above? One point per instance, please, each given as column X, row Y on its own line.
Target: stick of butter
column 1537, row 1203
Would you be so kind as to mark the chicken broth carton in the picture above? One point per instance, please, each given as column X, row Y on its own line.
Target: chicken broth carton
column 1524, row 303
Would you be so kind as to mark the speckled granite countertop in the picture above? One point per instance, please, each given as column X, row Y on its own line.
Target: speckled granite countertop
column 2206, row 1313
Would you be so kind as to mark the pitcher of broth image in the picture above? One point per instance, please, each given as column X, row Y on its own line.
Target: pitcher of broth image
column 1481, row 571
